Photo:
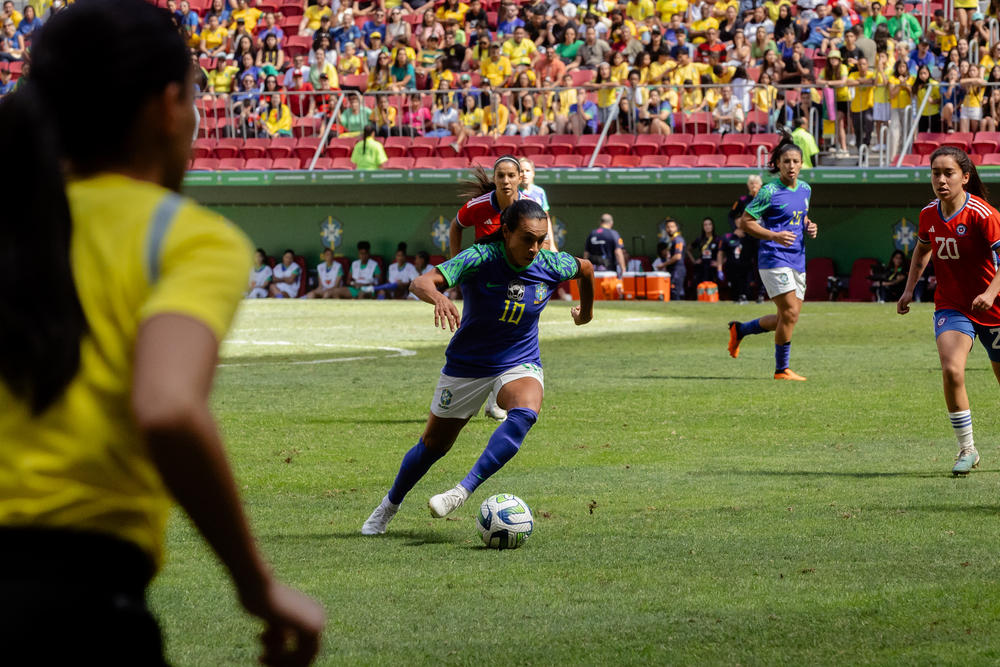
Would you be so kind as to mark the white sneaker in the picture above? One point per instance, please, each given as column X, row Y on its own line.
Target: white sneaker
column 380, row 518
column 493, row 410
column 445, row 503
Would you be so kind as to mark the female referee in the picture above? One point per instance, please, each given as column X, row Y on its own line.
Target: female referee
column 778, row 216
column 960, row 232
column 488, row 198
column 506, row 279
column 107, row 355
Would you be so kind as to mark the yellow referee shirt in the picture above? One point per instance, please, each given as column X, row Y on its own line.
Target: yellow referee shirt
column 137, row 251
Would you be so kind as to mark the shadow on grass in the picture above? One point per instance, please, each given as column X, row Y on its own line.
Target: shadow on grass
column 729, row 378
column 412, row 538
column 823, row 473
column 356, row 420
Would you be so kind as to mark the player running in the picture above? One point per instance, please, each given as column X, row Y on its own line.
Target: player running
column 506, row 280
column 777, row 216
column 960, row 232
column 482, row 212
column 537, row 193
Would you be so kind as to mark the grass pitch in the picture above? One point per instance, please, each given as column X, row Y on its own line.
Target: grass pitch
column 689, row 509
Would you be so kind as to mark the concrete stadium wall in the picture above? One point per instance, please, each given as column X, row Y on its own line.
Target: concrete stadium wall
column 856, row 216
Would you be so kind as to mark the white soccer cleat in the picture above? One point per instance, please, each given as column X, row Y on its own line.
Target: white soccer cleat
column 380, row 518
column 493, row 410
column 445, row 503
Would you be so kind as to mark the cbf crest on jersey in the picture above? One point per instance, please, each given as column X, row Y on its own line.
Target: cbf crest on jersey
column 331, row 232
column 439, row 233
column 541, row 291
column 515, row 290
column 904, row 236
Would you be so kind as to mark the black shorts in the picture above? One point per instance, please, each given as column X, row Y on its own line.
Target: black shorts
column 843, row 107
column 70, row 598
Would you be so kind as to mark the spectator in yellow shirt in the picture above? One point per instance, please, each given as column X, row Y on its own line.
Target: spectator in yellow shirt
column 250, row 15
column 278, row 117
column 214, row 39
column 220, row 79
column 496, row 67
column 638, row 10
column 863, row 80
column 105, row 383
column 495, row 117
column 519, row 50
column 311, row 18
column 667, row 9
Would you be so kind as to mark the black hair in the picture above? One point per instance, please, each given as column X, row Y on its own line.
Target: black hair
column 786, row 144
column 364, row 245
column 261, row 251
column 482, row 182
column 368, row 131
column 401, row 247
column 424, row 255
column 288, row 251
column 661, row 246
column 975, row 186
column 522, row 209
column 140, row 53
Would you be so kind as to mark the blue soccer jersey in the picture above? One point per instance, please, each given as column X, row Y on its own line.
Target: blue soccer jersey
column 779, row 208
column 538, row 194
column 499, row 327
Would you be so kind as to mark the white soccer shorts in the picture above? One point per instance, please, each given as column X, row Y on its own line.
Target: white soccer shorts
column 783, row 279
column 460, row 398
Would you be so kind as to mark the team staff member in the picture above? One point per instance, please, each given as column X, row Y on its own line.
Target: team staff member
column 605, row 248
column 960, row 232
column 105, row 382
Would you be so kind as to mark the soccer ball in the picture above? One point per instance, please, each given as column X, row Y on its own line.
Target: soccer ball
column 505, row 521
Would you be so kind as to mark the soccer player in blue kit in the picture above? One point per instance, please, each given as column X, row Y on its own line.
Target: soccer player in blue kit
column 779, row 217
column 506, row 280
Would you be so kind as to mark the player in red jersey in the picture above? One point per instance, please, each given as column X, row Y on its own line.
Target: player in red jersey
column 960, row 232
column 482, row 212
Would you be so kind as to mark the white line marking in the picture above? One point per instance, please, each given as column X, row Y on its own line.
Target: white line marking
column 396, row 352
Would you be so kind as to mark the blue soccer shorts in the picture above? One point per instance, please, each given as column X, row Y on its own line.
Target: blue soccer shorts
column 952, row 320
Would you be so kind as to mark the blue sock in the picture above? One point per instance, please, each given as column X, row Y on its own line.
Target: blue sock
column 748, row 328
column 503, row 444
column 415, row 465
column 782, row 352
column 385, row 286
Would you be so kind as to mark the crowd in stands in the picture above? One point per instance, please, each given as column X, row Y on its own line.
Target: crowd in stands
column 490, row 68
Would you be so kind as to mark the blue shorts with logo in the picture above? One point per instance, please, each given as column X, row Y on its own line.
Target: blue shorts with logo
column 952, row 320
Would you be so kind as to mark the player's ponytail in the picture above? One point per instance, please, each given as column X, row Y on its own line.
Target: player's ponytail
column 786, row 144
column 482, row 182
column 43, row 321
column 522, row 209
column 975, row 186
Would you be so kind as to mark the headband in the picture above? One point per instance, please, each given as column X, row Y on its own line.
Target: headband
column 508, row 158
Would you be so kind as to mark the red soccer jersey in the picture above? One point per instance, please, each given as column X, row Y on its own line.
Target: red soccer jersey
column 483, row 213
column 963, row 251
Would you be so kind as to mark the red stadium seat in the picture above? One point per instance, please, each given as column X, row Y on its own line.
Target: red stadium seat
column 254, row 148
column 734, row 144
column 926, row 143
column 568, row 161
column 991, row 159
column 582, row 77
column 452, row 163
column 767, row 139
column 711, row 161
column 618, row 144
column 422, row 147
column 654, row 161
column 585, row 145
column 626, row 161
column 354, row 82
column 543, row 161
column 230, row 164
column 976, row 158
column 291, row 8
column 427, row 163
column 281, row 147
column 211, row 127
column 699, row 122
column 684, row 161
column 477, row 146
column 397, row 146
column 985, row 142
column 675, row 144
column 322, row 164
column 307, row 127
column 340, row 147
column 286, row 164
column 917, row 160
column 205, row 164
column 341, row 163
column 561, row 144
column 404, row 163
column 601, row 161
column 290, row 25
column 257, row 164
column 647, row 144
column 484, row 161
column 746, row 161
column 203, row 148
column 228, row 148
column 757, row 121
column 859, row 287
column 298, row 45
column 704, row 144
column 960, row 140
column 818, row 269
column 305, row 148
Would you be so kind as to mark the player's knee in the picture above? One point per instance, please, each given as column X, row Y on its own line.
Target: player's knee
column 954, row 374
